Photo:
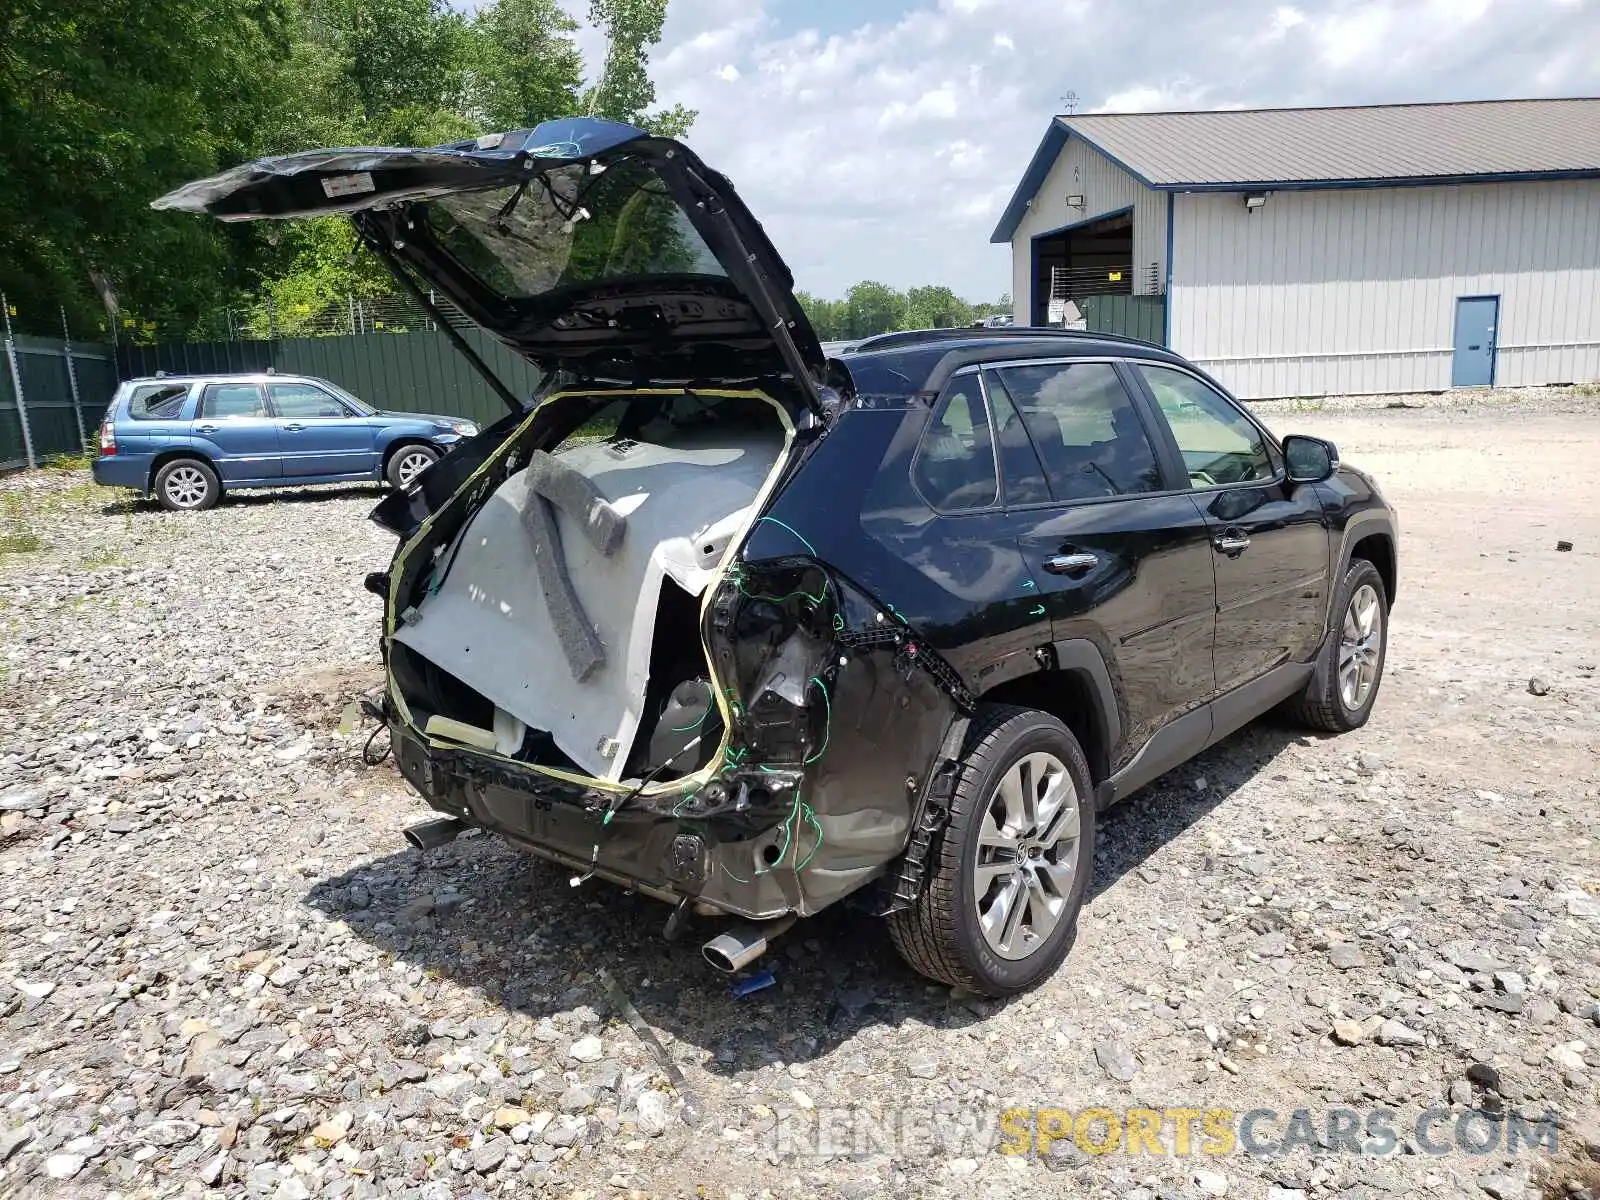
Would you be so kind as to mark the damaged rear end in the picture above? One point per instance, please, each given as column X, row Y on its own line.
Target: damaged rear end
column 586, row 656
column 607, row 638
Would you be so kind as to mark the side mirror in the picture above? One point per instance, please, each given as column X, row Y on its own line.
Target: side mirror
column 1310, row 459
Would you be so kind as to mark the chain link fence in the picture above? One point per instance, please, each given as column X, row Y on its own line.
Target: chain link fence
column 351, row 316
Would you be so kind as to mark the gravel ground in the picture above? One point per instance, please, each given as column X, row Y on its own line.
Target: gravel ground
column 222, row 971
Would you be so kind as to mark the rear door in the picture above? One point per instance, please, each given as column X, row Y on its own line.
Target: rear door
column 1269, row 541
column 1118, row 549
column 583, row 243
column 235, row 429
column 318, row 434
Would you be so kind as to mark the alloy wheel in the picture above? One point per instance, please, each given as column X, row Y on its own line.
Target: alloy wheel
column 412, row 463
column 1027, row 855
column 1360, row 644
column 186, row 487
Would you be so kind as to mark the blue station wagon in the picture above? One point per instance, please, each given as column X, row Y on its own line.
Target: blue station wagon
column 186, row 439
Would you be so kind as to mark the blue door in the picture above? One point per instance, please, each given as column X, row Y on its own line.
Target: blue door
column 237, row 433
column 319, row 436
column 1476, row 318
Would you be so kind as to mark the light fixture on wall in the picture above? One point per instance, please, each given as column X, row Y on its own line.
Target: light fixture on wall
column 1255, row 200
column 1075, row 201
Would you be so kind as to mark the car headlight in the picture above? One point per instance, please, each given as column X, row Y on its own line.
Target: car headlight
column 464, row 428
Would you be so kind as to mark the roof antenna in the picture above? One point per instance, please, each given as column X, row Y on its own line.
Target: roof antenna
column 1071, row 101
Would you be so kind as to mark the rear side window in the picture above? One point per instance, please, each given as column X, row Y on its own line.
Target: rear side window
column 954, row 468
column 1085, row 426
column 303, row 400
column 1019, row 465
column 232, row 400
column 157, row 401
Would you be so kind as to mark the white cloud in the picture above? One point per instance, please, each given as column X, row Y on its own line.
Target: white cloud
column 889, row 149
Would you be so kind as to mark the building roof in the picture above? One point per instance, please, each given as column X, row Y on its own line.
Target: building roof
column 1387, row 145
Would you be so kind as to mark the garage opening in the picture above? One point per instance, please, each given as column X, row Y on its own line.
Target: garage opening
column 1094, row 259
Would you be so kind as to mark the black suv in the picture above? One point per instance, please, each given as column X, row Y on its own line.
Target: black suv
column 752, row 630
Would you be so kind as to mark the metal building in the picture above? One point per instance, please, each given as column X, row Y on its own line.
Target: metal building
column 1315, row 251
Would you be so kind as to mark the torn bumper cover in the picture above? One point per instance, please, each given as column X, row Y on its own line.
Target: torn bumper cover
column 822, row 785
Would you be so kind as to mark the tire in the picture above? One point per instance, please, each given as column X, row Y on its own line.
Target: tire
column 407, row 462
column 187, row 485
column 1328, row 704
column 942, row 936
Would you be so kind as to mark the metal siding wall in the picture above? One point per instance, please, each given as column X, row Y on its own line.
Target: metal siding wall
column 1106, row 188
column 1354, row 291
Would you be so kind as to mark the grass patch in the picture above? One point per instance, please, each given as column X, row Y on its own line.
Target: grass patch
column 16, row 534
column 68, row 462
column 23, row 541
column 104, row 556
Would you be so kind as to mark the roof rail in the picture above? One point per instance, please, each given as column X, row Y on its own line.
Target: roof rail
column 914, row 337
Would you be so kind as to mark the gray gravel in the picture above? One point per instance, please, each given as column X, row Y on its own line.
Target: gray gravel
column 223, row 972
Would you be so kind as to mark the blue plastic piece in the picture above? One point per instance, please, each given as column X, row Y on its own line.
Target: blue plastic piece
column 754, row 984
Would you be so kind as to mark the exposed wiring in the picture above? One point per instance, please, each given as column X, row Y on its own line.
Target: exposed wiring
column 827, row 726
column 812, row 550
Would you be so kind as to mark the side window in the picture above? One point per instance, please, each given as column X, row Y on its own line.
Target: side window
column 1020, row 471
column 157, row 401
column 303, row 400
column 232, row 400
column 1219, row 444
column 1086, row 429
column 954, row 467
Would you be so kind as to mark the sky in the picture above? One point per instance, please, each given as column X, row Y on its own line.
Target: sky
column 880, row 139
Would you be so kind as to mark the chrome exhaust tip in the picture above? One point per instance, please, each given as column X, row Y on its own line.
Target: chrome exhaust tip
column 737, row 947
column 428, row 834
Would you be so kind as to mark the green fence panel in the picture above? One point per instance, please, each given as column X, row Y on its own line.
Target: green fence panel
column 418, row 372
column 1142, row 317
column 60, row 421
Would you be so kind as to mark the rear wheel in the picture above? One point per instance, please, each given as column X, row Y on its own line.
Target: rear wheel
column 1340, row 696
column 187, row 485
column 1001, row 907
column 406, row 463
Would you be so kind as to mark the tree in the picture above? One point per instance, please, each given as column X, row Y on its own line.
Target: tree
column 935, row 308
column 528, row 66
column 624, row 91
column 872, row 307
column 826, row 316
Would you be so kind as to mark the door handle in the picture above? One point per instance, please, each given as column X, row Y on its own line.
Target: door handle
column 205, row 428
column 294, row 427
column 1232, row 544
column 1070, row 564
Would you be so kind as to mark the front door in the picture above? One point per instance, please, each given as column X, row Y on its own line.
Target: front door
column 318, row 436
column 1473, row 364
column 1269, row 542
column 1120, row 555
column 237, row 432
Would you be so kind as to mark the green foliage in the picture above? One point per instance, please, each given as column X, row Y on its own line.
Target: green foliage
column 870, row 308
column 106, row 105
column 936, row 308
